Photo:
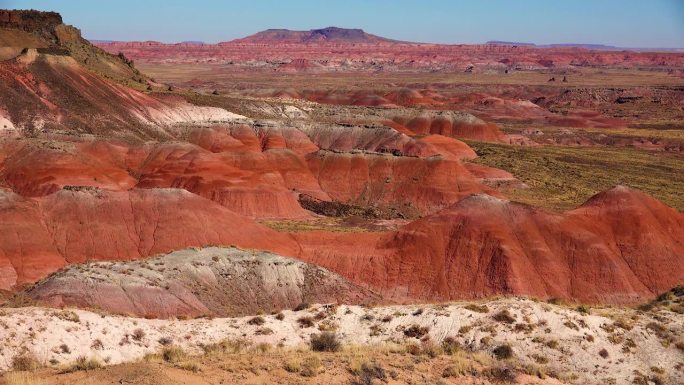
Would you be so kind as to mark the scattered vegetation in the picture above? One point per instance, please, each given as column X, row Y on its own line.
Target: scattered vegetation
column 83, row 363
column 258, row 321
column 310, row 366
column 67, row 315
column 25, row 362
column 305, row 321
column 325, row 342
column 367, row 372
column 504, row 316
column 504, row 374
column 450, row 345
column 416, row 331
column 138, row 334
column 22, row 378
column 563, row 177
column 477, row 308
column 503, row 352
column 583, row 309
column 173, row 354
column 97, row 344
column 230, row 346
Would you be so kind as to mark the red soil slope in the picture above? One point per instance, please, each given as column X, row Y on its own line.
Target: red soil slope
column 255, row 171
column 45, row 91
column 412, row 185
column 40, row 235
column 614, row 248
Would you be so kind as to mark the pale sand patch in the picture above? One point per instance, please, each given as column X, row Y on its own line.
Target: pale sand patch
column 42, row 331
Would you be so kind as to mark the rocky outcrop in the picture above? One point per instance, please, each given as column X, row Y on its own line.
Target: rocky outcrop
column 46, row 91
column 188, row 283
column 41, row 23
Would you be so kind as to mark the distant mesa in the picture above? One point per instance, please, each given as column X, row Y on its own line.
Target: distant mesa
column 329, row 34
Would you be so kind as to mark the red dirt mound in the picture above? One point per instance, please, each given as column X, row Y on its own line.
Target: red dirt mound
column 40, row 235
column 448, row 123
column 34, row 169
column 409, row 184
column 613, row 249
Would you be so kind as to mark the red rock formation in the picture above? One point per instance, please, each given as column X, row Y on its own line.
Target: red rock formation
column 449, row 123
column 40, row 235
column 614, row 248
column 409, row 184
column 47, row 91
column 32, row 169
column 252, row 183
column 254, row 171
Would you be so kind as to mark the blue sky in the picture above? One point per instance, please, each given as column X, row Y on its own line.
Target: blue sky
column 627, row 23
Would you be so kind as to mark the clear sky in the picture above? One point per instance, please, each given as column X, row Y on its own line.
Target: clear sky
column 625, row 23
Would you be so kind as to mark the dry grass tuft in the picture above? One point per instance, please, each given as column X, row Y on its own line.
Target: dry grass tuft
column 416, row 331
column 367, row 372
column 23, row 378
column 83, row 363
column 25, row 362
column 477, row 308
column 311, row 366
column 173, row 354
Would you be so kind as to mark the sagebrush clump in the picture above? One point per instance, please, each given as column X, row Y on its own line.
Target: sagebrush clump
column 325, row 342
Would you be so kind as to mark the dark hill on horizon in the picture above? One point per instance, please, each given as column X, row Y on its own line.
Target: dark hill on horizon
column 328, row 34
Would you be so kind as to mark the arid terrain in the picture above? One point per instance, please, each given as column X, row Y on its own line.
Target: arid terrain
column 332, row 206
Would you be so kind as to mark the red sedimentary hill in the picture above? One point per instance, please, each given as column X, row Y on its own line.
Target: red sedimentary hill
column 412, row 185
column 614, row 248
column 53, row 79
column 41, row 235
column 257, row 171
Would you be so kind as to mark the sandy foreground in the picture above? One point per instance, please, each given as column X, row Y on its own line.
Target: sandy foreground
column 607, row 345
